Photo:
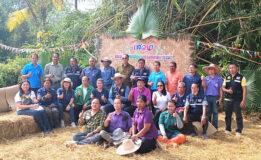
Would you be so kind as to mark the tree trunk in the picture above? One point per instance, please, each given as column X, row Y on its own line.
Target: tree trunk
column 76, row 4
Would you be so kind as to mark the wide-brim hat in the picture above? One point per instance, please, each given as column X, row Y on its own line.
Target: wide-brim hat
column 217, row 69
column 128, row 146
column 106, row 59
column 118, row 75
column 118, row 134
column 199, row 130
column 67, row 80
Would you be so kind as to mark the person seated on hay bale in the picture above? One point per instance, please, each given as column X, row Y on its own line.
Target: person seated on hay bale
column 82, row 97
column 26, row 103
column 179, row 97
column 118, row 90
column 65, row 96
column 118, row 124
column 170, row 124
column 93, row 119
column 47, row 98
column 101, row 93
column 196, row 110
column 160, row 100
column 143, row 126
column 134, row 94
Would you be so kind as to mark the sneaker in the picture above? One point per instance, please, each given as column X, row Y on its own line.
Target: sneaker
column 70, row 143
column 238, row 134
column 227, row 132
column 62, row 124
column 193, row 134
column 73, row 125
column 204, row 136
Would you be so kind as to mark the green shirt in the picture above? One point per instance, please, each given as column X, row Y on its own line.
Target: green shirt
column 127, row 72
column 170, row 123
column 93, row 122
column 79, row 99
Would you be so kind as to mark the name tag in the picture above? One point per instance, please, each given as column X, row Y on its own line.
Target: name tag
column 227, row 80
column 237, row 81
column 199, row 100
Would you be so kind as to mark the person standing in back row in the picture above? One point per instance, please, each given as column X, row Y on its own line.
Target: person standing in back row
column 235, row 89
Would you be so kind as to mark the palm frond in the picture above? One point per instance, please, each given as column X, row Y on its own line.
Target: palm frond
column 17, row 18
column 145, row 22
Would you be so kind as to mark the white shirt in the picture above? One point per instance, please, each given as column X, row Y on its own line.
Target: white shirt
column 162, row 101
column 19, row 99
column 84, row 92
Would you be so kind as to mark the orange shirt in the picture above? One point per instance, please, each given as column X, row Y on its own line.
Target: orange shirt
column 172, row 81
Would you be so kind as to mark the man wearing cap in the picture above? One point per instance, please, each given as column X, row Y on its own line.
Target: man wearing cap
column 54, row 71
column 196, row 110
column 156, row 76
column 117, row 122
column 141, row 72
column 172, row 78
column 92, row 72
column 192, row 77
column 82, row 97
column 118, row 90
column 107, row 72
column 213, row 84
column 73, row 71
column 134, row 94
column 33, row 72
column 125, row 69
column 235, row 90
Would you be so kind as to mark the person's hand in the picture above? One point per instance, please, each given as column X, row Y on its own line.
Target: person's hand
column 185, row 119
column 150, row 83
column 84, row 106
column 89, row 135
column 203, row 120
column 118, row 96
column 68, row 108
column 230, row 91
column 134, row 137
column 51, row 75
column 35, row 100
column 50, row 106
column 131, row 92
column 38, row 97
column 220, row 100
column 175, row 114
column 103, row 98
column 242, row 104
column 92, row 96
column 175, row 98
column 202, row 78
column 29, row 74
column 109, row 118
column 155, row 97
column 34, row 106
column 48, row 95
column 165, row 139
column 79, row 93
column 133, row 78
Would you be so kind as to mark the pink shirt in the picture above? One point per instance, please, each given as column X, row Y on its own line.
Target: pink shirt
column 136, row 93
column 172, row 81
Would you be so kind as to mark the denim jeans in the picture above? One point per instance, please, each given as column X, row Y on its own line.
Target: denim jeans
column 40, row 118
column 53, row 116
column 229, row 107
column 81, row 139
column 62, row 108
column 212, row 109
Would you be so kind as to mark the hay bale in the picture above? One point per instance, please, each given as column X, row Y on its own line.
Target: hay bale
column 3, row 103
column 10, row 93
column 12, row 126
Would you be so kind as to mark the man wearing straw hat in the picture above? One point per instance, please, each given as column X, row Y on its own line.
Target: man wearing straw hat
column 235, row 90
column 213, row 84
column 107, row 72
column 118, row 90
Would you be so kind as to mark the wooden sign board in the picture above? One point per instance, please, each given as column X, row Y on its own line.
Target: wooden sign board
column 151, row 49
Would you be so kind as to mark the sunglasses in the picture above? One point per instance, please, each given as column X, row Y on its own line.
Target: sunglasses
column 159, row 85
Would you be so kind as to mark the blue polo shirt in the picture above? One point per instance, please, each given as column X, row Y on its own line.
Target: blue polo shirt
column 93, row 75
column 107, row 74
column 50, row 101
column 181, row 100
column 37, row 72
column 67, row 96
column 213, row 85
column 196, row 103
column 189, row 79
column 155, row 77
column 145, row 73
column 74, row 74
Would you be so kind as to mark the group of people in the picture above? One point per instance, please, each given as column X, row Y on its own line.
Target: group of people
column 125, row 103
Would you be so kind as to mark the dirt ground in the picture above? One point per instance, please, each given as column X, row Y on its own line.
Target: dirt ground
column 219, row 146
